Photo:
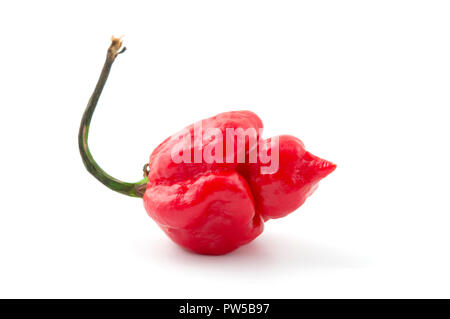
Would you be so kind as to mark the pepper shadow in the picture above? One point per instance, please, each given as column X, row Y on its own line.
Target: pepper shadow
column 271, row 251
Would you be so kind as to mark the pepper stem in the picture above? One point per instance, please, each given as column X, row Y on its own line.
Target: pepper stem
column 131, row 189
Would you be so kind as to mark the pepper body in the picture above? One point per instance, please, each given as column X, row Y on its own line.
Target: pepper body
column 213, row 208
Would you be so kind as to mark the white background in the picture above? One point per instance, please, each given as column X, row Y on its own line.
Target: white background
column 364, row 84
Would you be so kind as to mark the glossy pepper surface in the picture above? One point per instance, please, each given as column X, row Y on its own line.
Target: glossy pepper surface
column 215, row 207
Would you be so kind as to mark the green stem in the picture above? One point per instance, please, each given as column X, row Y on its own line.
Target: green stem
column 131, row 189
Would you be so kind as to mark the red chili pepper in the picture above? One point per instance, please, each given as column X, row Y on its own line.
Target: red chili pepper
column 215, row 206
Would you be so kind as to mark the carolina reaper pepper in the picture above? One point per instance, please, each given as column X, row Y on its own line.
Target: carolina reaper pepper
column 215, row 206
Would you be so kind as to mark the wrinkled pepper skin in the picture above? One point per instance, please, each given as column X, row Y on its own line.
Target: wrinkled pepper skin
column 214, row 208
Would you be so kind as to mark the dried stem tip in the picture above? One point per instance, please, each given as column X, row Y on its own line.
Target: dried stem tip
column 116, row 47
